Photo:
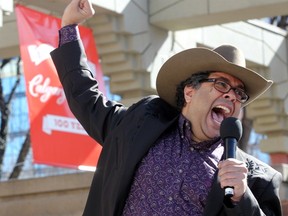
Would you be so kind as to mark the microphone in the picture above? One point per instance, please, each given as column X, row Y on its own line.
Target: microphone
column 230, row 132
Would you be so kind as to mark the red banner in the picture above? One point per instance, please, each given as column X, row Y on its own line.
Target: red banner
column 57, row 137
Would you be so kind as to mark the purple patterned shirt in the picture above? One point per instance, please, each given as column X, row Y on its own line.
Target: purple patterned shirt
column 175, row 176
column 68, row 33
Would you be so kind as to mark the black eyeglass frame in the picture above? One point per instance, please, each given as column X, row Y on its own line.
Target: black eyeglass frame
column 241, row 95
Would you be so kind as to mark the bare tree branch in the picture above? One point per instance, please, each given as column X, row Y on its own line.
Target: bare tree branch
column 280, row 21
column 21, row 158
column 5, row 111
column 4, row 119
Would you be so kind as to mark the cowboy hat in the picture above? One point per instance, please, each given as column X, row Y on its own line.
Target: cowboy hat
column 225, row 58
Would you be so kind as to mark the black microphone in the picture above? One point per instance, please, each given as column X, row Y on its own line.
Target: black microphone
column 230, row 132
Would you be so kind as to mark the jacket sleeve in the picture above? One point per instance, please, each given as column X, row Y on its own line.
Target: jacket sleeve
column 97, row 115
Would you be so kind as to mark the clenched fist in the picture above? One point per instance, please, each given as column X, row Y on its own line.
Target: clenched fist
column 77, row 12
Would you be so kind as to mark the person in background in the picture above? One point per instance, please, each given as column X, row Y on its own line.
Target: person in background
column 163, row 155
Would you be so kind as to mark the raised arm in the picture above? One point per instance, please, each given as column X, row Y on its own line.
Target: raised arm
column 94, row 111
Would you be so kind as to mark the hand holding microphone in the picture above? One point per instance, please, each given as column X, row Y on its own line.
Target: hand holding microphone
column 232, row 172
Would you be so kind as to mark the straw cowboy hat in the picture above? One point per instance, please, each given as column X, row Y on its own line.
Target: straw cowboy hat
column 225, row 58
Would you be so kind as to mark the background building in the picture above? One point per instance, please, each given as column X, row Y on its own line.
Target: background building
column 134, row 38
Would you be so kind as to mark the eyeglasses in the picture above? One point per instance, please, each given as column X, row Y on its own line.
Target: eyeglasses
column 224, row 87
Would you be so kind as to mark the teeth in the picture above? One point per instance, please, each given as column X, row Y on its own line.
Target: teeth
column 225, row 109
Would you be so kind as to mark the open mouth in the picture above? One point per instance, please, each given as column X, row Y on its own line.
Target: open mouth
column 219, row 113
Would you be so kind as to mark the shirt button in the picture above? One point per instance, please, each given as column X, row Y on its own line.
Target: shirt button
column 180, row 171
column 191, row 149
column 170, row 198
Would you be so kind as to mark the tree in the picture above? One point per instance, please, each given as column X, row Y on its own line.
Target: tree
column 5, row 102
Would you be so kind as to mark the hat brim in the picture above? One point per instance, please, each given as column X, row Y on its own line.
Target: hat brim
column 182, row 65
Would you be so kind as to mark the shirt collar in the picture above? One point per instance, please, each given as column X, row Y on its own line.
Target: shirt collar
column 185, row 128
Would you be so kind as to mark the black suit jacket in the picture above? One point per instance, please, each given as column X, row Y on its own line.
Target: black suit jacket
column 126, row 135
